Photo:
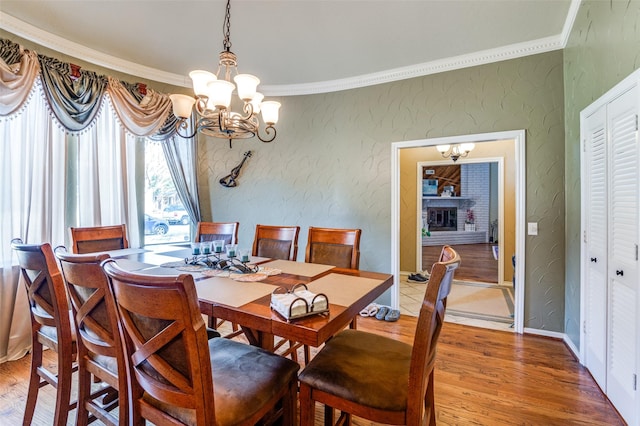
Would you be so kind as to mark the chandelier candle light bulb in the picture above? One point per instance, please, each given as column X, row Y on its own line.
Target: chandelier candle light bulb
column 212, row 103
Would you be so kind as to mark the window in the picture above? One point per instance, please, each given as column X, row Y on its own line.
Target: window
column 165, row 219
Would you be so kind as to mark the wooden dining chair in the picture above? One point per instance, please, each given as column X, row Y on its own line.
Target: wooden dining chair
column 276, row 242
column 51, row 327
column 211, row 231
column 100, row 352
column 98, row 238
column 177, row 376
column 378, row 378
column 332, row 246
column 227, row 231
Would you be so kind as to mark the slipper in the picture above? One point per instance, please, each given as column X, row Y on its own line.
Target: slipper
column 417, row 278
column 392, row 315
column 369, row 311
column 382, row 312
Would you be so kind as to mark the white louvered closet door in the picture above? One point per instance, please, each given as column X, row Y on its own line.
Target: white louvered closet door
column 596, row 248
column 623, row 253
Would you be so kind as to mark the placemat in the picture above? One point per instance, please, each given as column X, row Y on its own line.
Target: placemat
column 230, row 292
column 343, row 289
column 298, row 268
column 123, row 252
column 132, row 265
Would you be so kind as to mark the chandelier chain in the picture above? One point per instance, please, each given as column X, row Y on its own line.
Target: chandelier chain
column 227, row 28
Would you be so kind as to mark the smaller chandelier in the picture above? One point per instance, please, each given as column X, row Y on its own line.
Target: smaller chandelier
column 455, row 151
column 213, row 100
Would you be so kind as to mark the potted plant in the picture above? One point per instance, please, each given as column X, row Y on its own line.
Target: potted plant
column 470, row 221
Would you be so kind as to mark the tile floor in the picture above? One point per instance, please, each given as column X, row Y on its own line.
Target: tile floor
column 411, row 295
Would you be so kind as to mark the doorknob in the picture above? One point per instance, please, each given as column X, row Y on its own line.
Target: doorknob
column 594, row 259
column 619, row 272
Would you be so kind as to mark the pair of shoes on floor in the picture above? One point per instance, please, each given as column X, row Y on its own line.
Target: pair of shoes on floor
column 370, row 310
column 417, row 278
column 386, row 313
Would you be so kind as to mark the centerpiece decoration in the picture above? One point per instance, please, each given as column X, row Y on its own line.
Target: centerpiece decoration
column 210, row 255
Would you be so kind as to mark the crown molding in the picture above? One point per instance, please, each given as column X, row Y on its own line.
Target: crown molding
column 76, row 50
column 449, row 64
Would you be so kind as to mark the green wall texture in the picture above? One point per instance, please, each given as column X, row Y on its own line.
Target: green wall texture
column 330, row 164
column 603, row 49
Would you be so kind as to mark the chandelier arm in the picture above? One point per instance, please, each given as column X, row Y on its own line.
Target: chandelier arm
column 267, row 130
column 182, row 124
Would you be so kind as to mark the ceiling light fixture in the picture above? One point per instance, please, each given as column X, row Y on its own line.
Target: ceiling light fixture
column 213, row 100
column 455, row 151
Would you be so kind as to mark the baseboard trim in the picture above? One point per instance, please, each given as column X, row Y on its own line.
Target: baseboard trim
column 556, row 335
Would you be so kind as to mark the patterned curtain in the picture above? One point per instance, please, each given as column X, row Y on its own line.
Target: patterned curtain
column 75, row 101
column 18, row 71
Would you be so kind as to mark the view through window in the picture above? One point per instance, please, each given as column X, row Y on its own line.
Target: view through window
column 165, row 219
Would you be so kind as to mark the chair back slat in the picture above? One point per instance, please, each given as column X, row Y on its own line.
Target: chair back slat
column 44, row 284
column 276, row 242
column 92, row 302
column 211, row 231
column 51, row 327
column 430, row 321
column 165, row 339
column 98, row 238
column 333, row 246
column 100, row 351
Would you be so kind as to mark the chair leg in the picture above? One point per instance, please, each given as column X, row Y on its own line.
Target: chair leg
column 289, row 405
column 84, row 392
column 63, row 396
column 430, row 401
column 34, row 382
column 307, row 406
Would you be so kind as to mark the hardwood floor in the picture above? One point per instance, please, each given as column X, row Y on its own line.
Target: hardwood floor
column 478, row 263
column 483, row 377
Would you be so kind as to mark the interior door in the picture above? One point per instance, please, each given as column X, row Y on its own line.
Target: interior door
column 623, row 253
column 596, row 247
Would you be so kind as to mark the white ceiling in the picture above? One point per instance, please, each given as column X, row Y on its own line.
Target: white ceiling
column 293, row 46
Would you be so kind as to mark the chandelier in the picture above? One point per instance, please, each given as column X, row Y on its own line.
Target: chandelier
column 213, row 100
column 455, row 151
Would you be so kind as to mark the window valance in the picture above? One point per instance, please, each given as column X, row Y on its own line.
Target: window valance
column 75, row 95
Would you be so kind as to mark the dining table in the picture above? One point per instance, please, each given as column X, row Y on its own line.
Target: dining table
column 245, row 299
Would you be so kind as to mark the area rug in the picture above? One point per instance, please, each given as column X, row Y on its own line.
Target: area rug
column 481, row 301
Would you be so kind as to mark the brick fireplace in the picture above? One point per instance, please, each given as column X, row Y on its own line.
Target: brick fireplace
column 446, row 215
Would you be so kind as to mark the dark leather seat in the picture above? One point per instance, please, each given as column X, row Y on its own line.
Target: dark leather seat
column 376, row 377
column 176, row 376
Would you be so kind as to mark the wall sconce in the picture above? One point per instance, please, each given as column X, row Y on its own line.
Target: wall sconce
column 455, row 151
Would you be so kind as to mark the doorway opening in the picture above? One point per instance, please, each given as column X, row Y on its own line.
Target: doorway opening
column 407, row 248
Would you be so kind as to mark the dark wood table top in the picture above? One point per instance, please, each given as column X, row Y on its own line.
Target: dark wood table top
column 248, row 303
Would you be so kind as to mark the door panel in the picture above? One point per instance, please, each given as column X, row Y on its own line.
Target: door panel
column 596, row 249
column 622, row 263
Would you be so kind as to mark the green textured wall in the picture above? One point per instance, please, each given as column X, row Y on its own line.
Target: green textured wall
column 603, row 49
column 330, row 164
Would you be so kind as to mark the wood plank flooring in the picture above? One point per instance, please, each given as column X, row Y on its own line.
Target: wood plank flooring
column 478, row 263
column 483, row 377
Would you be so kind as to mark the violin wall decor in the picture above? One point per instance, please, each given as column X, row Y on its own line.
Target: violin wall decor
column 229, row 181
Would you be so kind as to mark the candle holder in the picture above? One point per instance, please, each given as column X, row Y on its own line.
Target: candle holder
column 208, row 254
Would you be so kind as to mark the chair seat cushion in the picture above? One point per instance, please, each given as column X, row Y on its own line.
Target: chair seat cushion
column 245, row 378
column 365, row 368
